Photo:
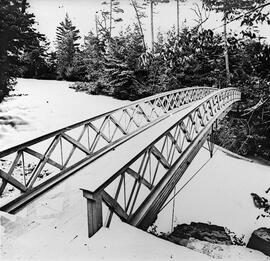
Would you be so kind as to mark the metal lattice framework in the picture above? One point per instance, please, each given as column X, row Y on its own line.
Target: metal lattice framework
column 137, row 192
column 29, row 169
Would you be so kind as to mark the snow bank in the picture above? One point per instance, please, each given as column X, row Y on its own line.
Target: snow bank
column 121, row 242
column 220, row 194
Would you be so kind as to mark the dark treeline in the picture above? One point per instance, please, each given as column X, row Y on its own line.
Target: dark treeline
column 123, row 67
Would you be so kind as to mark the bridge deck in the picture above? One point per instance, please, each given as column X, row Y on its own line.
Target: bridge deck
column 63, row 208
column 63, row 197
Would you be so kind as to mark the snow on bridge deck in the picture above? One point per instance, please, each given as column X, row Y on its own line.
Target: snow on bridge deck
column 59, row 216
column 67, row 194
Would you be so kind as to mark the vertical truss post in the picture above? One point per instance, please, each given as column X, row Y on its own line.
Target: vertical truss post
column 94, row 211
column 210, row 143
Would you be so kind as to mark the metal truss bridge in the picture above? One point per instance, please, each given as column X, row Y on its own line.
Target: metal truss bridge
column 137, row 188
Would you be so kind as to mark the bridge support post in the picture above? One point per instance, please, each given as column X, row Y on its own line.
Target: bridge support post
column 210, row 144
column 94, row 211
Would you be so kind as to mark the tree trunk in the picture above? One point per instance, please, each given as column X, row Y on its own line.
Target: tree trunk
column 152, row 23
column 96, row 21
column 111, row 17
column 134, row 4
column 226, row 55
column 178, row 22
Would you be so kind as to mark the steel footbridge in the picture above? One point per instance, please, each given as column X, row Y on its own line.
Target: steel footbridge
column 125, row 162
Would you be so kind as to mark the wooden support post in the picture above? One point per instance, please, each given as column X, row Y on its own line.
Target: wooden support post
column 94, row 211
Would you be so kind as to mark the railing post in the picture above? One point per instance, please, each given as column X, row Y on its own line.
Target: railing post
column 210, row 143
column 94, row 211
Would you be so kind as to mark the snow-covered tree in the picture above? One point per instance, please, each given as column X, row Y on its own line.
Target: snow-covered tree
column 16, row 34
column 121, row 64
column 66, row 37
column 231, row 9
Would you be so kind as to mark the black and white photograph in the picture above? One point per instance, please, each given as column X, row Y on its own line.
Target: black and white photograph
column 134, row 130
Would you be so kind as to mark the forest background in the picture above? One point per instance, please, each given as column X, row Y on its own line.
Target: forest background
column 125, row 65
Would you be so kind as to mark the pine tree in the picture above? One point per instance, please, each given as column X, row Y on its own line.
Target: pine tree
column 16, row 34
column 109, row 16
column 153, row 3
column 93, row 56
column 66, row 36
column 230, row 9
column 140, row 14
column 34, row 59
column 122, row 70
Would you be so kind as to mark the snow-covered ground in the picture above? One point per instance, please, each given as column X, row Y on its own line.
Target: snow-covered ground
column 39, row 106
column 55, row 226
column 220, row 194
column 120, row 242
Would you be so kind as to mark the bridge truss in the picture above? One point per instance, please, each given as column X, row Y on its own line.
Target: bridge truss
column 137, row 192
column 31, row 168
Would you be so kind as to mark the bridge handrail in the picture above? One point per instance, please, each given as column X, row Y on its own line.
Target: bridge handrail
column 72, row 126
column 184, row 132
column 118, row 173
column 122, row 124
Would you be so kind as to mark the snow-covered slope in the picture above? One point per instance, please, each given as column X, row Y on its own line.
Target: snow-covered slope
column 120, row 242
column 41, row 106
column 220, row 194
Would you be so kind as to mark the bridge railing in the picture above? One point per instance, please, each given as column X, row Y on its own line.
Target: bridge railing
column 138, row 190
column 30, row 168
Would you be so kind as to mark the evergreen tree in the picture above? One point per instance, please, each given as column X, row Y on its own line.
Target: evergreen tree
column 230, row 9
column 16, row 34
column 66, row 36
column 140, row 14
column 109, row 16
column 153, row 3
column 91, row 57
column 122, row 71
column 34, row 59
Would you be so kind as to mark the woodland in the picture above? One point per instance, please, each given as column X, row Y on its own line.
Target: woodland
column 122, row 65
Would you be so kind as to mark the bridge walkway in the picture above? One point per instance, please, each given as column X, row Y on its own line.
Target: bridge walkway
column 62, row 209
column 67, row 194
column 58, row 216
column 64, row 196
